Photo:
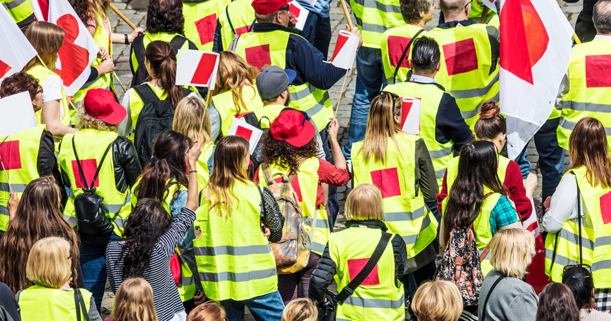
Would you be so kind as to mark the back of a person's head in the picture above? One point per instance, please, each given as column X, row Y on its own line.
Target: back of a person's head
column 17, row 83
column 134, row 301
column 512, row 251
column 490, row 123
column 300, row 310
column 191, row 119
column 233, row 74
column 47, row 38
column 602, row 16
column 162, row 61
column 209, row 311
column 165, row 16
column 381, row 124
column 556, row 302
column 49, row 262
column 364, row 203
column 588, row 147
column 425, row 55
column 452, row 6
column 411, row 9
column 581, row 283
column 437, row 301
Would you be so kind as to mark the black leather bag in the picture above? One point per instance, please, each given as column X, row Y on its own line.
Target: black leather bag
column 89, row 206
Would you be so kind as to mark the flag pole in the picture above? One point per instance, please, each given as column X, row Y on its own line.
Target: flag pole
column 341, row 92
column 484, row 14
column 347, row 14
column 576, row 38
column 208, row 97
column 122, row 16
column 119, row 81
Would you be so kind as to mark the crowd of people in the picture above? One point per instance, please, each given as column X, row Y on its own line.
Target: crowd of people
column 187, row 221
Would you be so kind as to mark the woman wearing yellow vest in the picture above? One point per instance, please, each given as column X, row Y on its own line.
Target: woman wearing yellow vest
column 47, row 39
column 400, row 166
column 290, row 148
column 165, row 180
column 51, row 298
column 234, row 260
column 582, row 193
column 234, row 94
column 118, row 172
column 381, row 295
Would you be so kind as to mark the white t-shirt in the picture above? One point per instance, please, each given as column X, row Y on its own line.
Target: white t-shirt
column 52, row 90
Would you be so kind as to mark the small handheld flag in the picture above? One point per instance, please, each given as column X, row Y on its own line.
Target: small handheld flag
column 410, row 115
column 345, row 50
column 300, row 13
column 250, row 133
column 203, row 75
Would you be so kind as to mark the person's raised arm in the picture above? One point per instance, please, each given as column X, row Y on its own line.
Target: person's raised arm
column 51, row 111
column 194, row 153
column 336, row 150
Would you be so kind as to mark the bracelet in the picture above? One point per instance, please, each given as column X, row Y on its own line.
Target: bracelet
column 193, row 171
column 126, row 39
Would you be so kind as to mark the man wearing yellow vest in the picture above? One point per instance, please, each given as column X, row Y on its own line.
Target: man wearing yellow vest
column 237, row 18
column 470, row 57
column 201, row 18
column 395, row 41
column 25, row 155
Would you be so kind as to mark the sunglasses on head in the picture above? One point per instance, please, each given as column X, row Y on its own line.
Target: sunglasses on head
column 585, row 266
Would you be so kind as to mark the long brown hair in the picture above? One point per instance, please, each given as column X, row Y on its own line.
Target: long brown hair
column 233, row 74
column 228, row 167
column 490, row 123
column 38, row 216
column 588, row 147
column 381, row 125
column 162, row 60
column 47, row 39
column 556, row 302
column 134, row 301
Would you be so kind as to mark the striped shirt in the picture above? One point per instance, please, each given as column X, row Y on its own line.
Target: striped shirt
column 165, row 294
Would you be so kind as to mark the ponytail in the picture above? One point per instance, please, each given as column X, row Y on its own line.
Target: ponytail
column 162, row 59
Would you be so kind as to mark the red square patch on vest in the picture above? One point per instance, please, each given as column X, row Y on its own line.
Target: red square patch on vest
column 598, row 69
column 460, row 56
column 356, row 265
column 90, row 166
column 605, row 208
column 294, row 184
column 387, row 180
column 205, row 28
column 242, row 30
column 9, row 155
column 396, row 45
column 258, row 56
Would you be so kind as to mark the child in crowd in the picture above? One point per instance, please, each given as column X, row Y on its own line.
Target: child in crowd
column 134, row 302
column 437, row 301
column 300, row 310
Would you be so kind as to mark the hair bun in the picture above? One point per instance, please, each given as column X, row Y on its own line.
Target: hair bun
column 489, row 109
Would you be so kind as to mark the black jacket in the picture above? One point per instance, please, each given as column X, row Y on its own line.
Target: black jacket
column 326, row 269
column 46, row 164
column 126, row 164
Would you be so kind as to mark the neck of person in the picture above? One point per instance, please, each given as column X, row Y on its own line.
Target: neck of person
column 420, row 23
column 603, row 34
column 425, row 73
column 155, row 82
column 455, row 16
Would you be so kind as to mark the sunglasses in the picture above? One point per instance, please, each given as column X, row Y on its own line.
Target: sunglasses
column 585, row 266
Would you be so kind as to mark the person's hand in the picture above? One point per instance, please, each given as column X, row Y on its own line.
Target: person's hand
column 355, row 31
column 292, row 21
column 530, row 184
column 199, row 298
column 333, row 129
column 194, row 153
column 137, row 32
column 105, row 67
column 13, row 203
column 103, row 53
column 66, row 285
column 266, row 232
column 547, row 203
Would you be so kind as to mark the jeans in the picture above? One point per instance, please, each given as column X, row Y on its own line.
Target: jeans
column 370, row 80
column 333, row 201
column 267, row 307
column 93, row 263
column 551, row 157
column 297, row 285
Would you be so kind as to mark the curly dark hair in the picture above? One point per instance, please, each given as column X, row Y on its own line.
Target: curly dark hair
column 17, row 83
column 82, row 9
column 285, row 155
column 410, row 9
column 147, row 222
column 165, row 16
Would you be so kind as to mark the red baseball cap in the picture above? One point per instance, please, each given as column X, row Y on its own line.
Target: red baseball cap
column 293, row 127
column 101, row 104
column 268, row 6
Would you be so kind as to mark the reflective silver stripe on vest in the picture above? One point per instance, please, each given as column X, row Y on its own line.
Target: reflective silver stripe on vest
column 488, row 256
column 115, row 208
column 441, row 153
column 440, row 174
column 404, row 216
column 411, row 239
column 560, row 260
column 475, row 92
column 569, row 125
column 187, row 280
column 370, row 27
column 318, row 247
column 299, row 95
column 601, row 265
column 590, row 107
column 71, row 220
column 472, row 113
column 602, row 241
column 237, row 277
column 569, row 236
column 18, row 188
column 4, row 210
column 320, row 222
column 71, row 194
column 13, row 4
column 233, row 250
column 375, row 303
column 319, row 105
column 380, row 6
column 120, row 222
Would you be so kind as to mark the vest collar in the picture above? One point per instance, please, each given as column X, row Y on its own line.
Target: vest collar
column 369, row 224
column 268, row 27
column 454, row 24
column 435, row 83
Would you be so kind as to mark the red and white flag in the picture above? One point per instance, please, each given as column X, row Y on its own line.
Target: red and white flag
column 345, row 50
column 79, row 49
column 203, row 75
column 17, row 50
column 536, row 276
column 410, row 115
column 535, row 53
column 300, row 13
column 250, row 133
column 41, row 9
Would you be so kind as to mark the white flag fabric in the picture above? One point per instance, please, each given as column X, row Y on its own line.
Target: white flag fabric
column 16, row 50
column 345, row 50
column 300, row 13
column 252, row 134
column 197, row 68
column 17, row 114
column 490, row 4
column 79, row 49
column 535, row 52
column 410, row 115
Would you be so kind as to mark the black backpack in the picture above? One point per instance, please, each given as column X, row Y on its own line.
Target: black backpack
column 156, row 116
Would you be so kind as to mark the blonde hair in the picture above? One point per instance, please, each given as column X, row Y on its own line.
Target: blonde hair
column 300, row 310
column 512, row 251
column 209, row 311
column 47, row 39
column 364, row 203
column 134, row 301
column 437, row 301
column 98, row 9
column 48, row 264
column 84, row 120
column 233, row 74
column 381, row 125
column 191, row 119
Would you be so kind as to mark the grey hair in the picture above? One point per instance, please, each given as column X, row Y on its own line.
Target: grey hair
column 602, row 16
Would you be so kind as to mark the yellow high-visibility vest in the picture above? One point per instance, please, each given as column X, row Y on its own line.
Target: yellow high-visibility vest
column 237, row 18
column 227, row 108
column 200, row 21
column 374, row 17
column 394, row 42
column 40, row 303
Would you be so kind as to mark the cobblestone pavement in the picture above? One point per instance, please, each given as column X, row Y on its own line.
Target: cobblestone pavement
column 135, row 11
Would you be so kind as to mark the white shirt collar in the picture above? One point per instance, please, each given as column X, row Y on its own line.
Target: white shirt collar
column 423, row 79
column 601, row 37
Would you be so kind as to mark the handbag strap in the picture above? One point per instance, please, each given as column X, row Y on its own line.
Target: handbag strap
column 264, row 213
column 371, row 263
column 409, row 44
column 579, row 221
column 97, row 172
column 489, row 293
column 80, row 305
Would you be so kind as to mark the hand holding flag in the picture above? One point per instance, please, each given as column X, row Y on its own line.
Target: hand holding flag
column 345, row 50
